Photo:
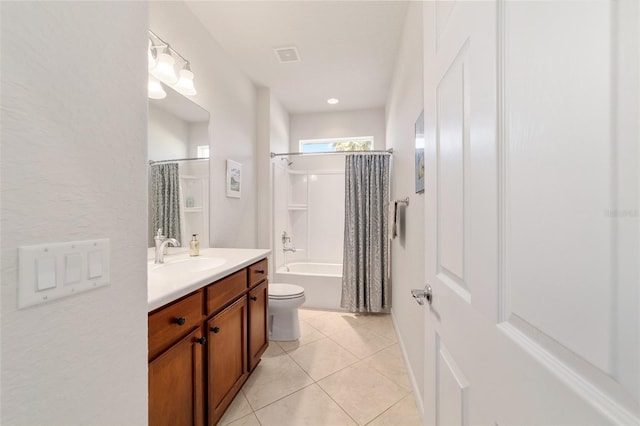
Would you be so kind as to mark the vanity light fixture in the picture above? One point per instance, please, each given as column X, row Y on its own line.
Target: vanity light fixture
column 150, row 57
column 162, row 67
column 332, row 101
column 185, row 82
column 155, row 89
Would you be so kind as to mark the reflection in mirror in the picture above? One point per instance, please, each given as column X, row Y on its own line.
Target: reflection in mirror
column 178, row 151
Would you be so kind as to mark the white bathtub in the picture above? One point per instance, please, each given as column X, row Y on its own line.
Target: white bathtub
column 322, row 282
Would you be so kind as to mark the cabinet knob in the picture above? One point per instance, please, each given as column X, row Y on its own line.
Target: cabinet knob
column 260, row 271
column 180, row 321
column 254, row 298
column 215, row 329
column 202, row 340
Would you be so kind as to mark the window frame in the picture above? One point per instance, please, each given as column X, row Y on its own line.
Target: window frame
column 328, row 141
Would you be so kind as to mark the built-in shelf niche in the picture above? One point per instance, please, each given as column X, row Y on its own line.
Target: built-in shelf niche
column 297, row 207
column 195, row 202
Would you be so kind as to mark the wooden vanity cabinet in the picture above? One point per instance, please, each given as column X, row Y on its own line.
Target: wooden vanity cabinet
column 204, row 346
column 176, row 370
column 258, row 337
column 176, row 387
column 227, row 357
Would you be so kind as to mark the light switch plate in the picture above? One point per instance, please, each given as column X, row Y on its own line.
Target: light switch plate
column 51, row 271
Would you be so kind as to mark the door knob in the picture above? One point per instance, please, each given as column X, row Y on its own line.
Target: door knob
column 421, row 295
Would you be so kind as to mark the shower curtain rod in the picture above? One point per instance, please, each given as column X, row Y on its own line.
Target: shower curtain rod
column 175, row 159
column 386, row 151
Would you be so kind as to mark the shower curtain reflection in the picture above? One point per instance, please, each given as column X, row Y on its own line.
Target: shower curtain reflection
column 165, row 192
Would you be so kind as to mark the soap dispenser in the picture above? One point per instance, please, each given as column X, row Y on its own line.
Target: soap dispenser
column 194, row 246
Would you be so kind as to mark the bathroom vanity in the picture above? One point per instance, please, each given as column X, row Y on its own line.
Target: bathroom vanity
column 207, row 332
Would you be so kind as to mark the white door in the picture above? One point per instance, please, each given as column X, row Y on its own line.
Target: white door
column 532, row 236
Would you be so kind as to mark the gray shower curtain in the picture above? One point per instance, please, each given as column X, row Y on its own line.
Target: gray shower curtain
column 365, row 276
column 165, row 199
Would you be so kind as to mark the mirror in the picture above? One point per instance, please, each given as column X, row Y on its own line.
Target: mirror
column 179, row 188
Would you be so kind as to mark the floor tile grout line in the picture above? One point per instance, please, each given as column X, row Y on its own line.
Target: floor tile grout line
column 316, row 382
column 337, row 403
column 388, row 376
column 297, row 390
column 368, row 327
column 330, row 374
column 381, row 414
column 371, row 354
column 280, row 399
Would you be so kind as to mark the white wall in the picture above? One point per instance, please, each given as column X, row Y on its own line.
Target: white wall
column 230, row 98
column 168, row 135
column 74, row 132
column 364, row 122
column 198, row 135
column 273, row 136
column 407, row 251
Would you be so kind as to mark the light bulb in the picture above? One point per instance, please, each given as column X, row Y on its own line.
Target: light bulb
column 164, row 70
column 155, row 90
column 185, row 83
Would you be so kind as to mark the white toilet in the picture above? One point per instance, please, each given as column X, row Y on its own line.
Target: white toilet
column 284, row 301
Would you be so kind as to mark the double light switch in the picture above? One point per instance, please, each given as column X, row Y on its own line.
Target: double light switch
column 50, row 271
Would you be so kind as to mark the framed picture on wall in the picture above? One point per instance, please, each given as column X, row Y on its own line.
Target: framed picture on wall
column 234, row 179
column 419, row 144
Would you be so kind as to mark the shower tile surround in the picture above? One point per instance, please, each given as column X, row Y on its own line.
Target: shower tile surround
column 344, row 370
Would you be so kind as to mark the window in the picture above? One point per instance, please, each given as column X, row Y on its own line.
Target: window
column 203, row 151
column 359, row 143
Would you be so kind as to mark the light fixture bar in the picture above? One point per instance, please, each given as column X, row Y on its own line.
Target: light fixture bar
column 167, row 45
column 163, row 67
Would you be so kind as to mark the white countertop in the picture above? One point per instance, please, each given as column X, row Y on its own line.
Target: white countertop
column 178, row 277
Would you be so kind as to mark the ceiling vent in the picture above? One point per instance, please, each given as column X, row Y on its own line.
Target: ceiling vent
column 287, row 54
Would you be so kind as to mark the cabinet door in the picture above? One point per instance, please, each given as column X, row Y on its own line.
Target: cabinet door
column 258, row 339
column 176, row 384
column 227, row 357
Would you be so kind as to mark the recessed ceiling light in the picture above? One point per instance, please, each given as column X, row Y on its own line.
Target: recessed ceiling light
column 332, row 101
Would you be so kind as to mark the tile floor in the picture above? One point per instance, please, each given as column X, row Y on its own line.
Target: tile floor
column 344, row 370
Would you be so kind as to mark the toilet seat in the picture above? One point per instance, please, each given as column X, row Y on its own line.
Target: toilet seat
column 285, row 291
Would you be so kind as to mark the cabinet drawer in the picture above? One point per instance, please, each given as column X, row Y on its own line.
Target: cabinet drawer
column 258, row 272
column 169, row 324
column 226, row 290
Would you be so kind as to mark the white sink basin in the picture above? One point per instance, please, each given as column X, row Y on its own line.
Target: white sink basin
column 186, row 265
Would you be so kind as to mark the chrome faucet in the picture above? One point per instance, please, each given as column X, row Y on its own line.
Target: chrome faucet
column 162, row 242
column 285, row 238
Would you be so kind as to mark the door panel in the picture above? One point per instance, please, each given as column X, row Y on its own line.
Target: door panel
column 531, row 246
column 559, row 174
column 452, row 146
column 453, row 389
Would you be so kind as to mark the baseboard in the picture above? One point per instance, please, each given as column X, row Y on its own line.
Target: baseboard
column 414, row 384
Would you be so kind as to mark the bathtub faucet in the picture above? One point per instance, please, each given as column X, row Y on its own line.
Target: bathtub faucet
column 291, row 249
column 285, row 238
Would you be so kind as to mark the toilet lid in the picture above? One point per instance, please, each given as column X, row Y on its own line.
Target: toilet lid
column 285, row 291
